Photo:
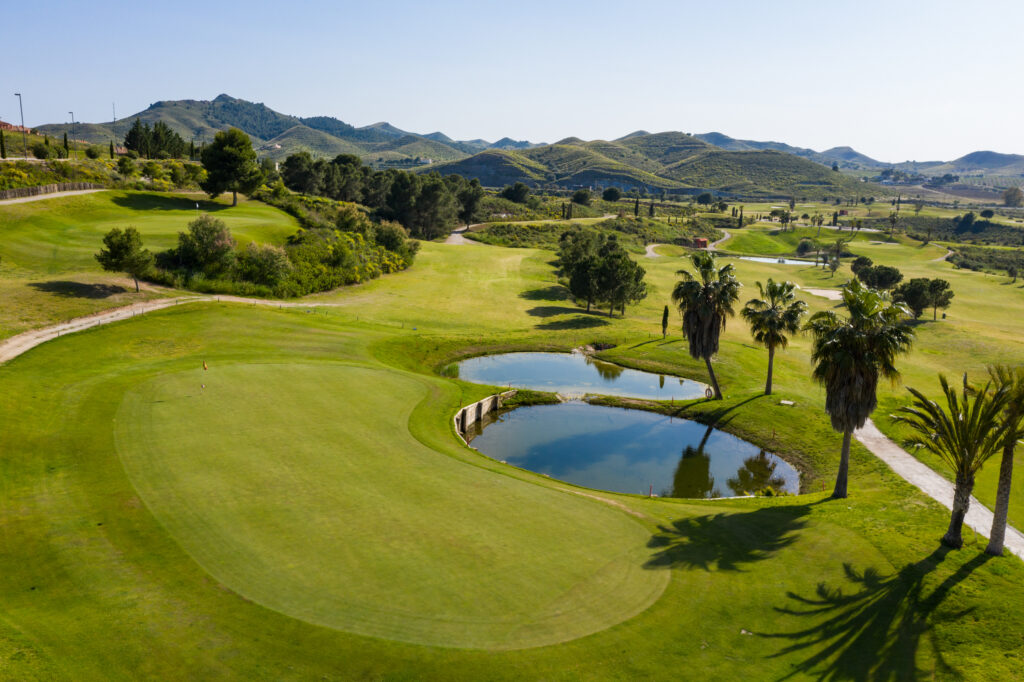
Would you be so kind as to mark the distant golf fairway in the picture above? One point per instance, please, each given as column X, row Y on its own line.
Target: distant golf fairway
column 300, row 488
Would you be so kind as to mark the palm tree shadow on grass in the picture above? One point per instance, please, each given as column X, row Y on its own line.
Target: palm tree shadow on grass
column 873, row 633
column 726, row 541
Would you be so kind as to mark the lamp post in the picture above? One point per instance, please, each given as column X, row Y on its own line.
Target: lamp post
column 24, row 133
column 72, row 115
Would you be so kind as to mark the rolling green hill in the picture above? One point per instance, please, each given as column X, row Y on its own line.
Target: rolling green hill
column 671, row 161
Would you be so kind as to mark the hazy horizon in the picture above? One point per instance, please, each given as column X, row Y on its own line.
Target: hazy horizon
column 895, row 81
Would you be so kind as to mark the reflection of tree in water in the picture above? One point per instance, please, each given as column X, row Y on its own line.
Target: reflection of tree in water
column 607, row 370
column 693, row 473
column 757, row 473
column 661, row 381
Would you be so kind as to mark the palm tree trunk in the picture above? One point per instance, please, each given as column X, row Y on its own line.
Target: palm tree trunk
column 714, row 380
column 771, row 362
column 998, row 532
column 136, row 284
column 961, row 501
column 843, row 475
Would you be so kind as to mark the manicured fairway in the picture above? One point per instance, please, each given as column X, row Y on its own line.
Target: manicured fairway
column 256, row 535
column 312, row 514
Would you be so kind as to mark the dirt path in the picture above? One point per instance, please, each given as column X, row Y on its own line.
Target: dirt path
column 713, row 246
column 979, row 517
column 53, row 195
column 26, row 341
column 949, row 252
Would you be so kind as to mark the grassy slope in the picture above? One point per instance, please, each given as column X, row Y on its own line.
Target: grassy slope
column 47, row 269
column 106, row 557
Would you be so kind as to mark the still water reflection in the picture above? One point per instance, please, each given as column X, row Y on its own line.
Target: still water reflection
column 631, row 451
column 575, row 373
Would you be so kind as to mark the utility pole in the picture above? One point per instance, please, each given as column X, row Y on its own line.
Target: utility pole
column 24, row 132
column 113, row 111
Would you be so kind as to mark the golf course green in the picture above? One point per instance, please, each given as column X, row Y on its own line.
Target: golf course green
column 302, row 508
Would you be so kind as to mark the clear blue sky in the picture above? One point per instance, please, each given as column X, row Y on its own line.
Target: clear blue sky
column 897, row 80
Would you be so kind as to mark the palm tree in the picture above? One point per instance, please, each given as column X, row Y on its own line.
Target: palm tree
column 772, row 317
column 964, row 435
column 1012, row 380
column 705, row 301
column 850, row 354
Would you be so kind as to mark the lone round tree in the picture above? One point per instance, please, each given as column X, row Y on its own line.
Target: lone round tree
column 124, row 253
column 231, row 165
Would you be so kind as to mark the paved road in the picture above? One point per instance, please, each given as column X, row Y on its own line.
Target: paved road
column 52, row 195
column 458, row 236
column 21, row 343
column 935, row 486
column 713, row 246
column 649, row 250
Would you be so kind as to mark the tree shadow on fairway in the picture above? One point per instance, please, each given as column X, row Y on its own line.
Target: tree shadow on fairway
column 78, row 289
column 149, row 202
column 577, row 322
column 726, row 541
column 552, row 310
column 718, row 416
column 873, row 633
column 552, row 293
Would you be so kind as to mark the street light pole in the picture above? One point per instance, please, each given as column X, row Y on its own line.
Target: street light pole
column 24, row 133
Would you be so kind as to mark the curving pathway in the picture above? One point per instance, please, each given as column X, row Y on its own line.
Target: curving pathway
column 932, row 484
column 649, row 250
column 26, row 341
column 458, row 236
column 979, row 517
column 713, row 246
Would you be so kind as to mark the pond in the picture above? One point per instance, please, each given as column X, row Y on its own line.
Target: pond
column 631, row 451
column 777, row 261
column 575, row 373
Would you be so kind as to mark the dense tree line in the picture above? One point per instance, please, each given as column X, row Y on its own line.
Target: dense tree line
column 599, row 271
column 158, row 142
column 429, row 206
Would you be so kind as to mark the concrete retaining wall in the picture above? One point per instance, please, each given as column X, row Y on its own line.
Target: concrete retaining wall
column 471, row 414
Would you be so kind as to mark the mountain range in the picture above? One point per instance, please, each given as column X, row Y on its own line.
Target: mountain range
column 671, row 161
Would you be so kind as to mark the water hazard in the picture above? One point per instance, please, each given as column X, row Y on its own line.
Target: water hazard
column 631, row 451
column 575, row 374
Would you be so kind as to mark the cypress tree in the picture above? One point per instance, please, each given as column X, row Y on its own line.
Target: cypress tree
column 46, row 140
column 664, row 323
column 192, row 149
column 111, row 149
column 636, row 206
column 66, row 148
column 3, row 146
column 740, row 223
column 650, row 210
